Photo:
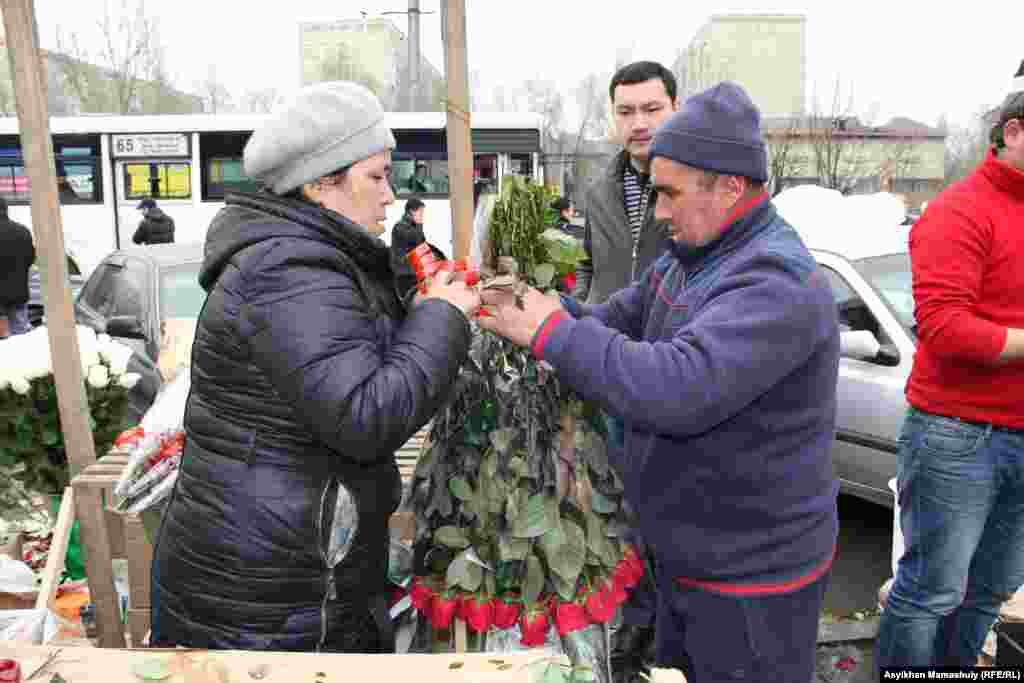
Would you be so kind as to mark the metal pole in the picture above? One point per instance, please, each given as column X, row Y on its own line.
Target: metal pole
column 414, row 55
column 460, row 142
column 37, row 147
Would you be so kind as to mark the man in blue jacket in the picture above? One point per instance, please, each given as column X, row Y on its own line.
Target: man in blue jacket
column 722, row 361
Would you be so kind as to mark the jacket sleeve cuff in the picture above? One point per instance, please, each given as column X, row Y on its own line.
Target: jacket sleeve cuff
column 544, row 333
column 574, row 307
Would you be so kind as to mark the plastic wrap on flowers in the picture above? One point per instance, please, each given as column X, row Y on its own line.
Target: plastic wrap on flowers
column 154, row 451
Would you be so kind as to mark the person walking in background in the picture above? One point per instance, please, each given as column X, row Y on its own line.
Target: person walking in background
column 156, row 227
column 961, row 459
column 406, row 235
column 17, row 254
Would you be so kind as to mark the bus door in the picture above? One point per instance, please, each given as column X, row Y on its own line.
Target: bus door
column 152, row 166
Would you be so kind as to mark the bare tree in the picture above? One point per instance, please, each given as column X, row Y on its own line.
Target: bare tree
column 592, row 103
column 783, row 147
column 837, row 140
column 261, row 101
column 966, row 146
column 109, row 79
column 543, row 98
column 216, row 98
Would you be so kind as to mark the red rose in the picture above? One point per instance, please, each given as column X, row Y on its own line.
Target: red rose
column 130, row 436
column 422, row 595
column 479, row 614
column 534, row 624
column 442, row 609
column 570, row 616
column 616, row 593
column 570, row 281
column 506, row 614
column 600, row 606
column 623, row 575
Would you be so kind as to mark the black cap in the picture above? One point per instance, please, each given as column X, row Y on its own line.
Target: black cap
column 146, row 203
column 561, row 204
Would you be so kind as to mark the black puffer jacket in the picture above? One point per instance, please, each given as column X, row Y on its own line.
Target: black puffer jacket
column 307, row 375
column 156, row 228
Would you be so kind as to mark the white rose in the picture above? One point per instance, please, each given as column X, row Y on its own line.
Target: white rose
column 20, row 385
column 90, row 361
column 4, row 382
column 98, row 377
column 129, row 379
column 120, row 354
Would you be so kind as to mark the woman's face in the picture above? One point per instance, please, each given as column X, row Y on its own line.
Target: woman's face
column 362, row 195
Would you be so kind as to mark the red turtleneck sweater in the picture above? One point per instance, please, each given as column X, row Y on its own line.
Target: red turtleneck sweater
column 967, row 252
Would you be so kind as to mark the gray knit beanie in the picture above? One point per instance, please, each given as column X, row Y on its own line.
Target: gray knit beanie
column 716, row 130
column 325, row 127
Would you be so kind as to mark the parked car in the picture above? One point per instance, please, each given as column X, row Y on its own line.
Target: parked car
column 867, row 263
column 131, row 294
column 36, row 312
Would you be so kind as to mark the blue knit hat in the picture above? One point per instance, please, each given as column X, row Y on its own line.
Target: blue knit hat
column 716, row 130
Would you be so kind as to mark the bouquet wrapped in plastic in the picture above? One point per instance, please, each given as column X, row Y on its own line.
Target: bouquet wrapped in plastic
column 154, row 450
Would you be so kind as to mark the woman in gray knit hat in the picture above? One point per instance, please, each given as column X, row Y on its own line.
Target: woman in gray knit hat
column 308, row 373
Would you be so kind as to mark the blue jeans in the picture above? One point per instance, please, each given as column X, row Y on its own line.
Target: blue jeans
column 17, row 318
column 961, row 494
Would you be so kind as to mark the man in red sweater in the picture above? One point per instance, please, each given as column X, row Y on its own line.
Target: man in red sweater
column 961, row 459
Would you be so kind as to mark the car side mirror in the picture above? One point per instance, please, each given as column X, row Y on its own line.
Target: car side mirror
column 126, row 326
column 862, row 345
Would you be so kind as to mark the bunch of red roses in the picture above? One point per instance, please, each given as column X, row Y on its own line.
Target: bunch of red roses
column 595, row 603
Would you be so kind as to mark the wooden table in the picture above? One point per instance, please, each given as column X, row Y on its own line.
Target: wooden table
column 78, row 664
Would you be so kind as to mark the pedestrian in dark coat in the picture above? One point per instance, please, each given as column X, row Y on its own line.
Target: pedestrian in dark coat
column 406, row 235
column 17, row 254
column 156, row 227
column 307, row 375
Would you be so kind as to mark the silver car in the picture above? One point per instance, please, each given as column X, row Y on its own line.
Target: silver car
column 871, row 281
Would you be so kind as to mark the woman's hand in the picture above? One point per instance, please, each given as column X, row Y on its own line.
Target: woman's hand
column 450, row 286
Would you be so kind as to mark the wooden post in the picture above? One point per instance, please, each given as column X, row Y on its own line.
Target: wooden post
column 37, row 147
column 460, row 143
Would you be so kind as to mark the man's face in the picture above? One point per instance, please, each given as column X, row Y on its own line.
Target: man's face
column 1013, row 136
column 695, row 208
column 638, row 109
column 417, row 215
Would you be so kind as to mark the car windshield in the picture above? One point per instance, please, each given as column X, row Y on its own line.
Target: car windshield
column 180, row 293
column 891, row 277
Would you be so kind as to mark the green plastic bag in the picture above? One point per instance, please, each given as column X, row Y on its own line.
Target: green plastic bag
column 74, row 561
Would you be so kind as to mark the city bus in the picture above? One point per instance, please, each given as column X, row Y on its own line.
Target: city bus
column 188, row 163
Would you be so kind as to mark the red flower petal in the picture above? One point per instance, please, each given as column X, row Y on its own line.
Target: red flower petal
column 442, row 611
column 506, row 614
column 570, row 616
column 535, row 628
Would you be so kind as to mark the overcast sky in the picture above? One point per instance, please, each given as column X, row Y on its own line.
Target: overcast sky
column 909, row 58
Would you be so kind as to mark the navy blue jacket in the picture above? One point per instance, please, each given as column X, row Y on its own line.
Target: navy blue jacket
column 307, row 376
column 722, row 363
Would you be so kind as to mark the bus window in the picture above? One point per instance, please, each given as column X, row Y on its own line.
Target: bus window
column 220, row 153
column 412, row 175
column 159, row 180
column 226, row 175
column 521, row 164
column 76, row 161
column 14, row 184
